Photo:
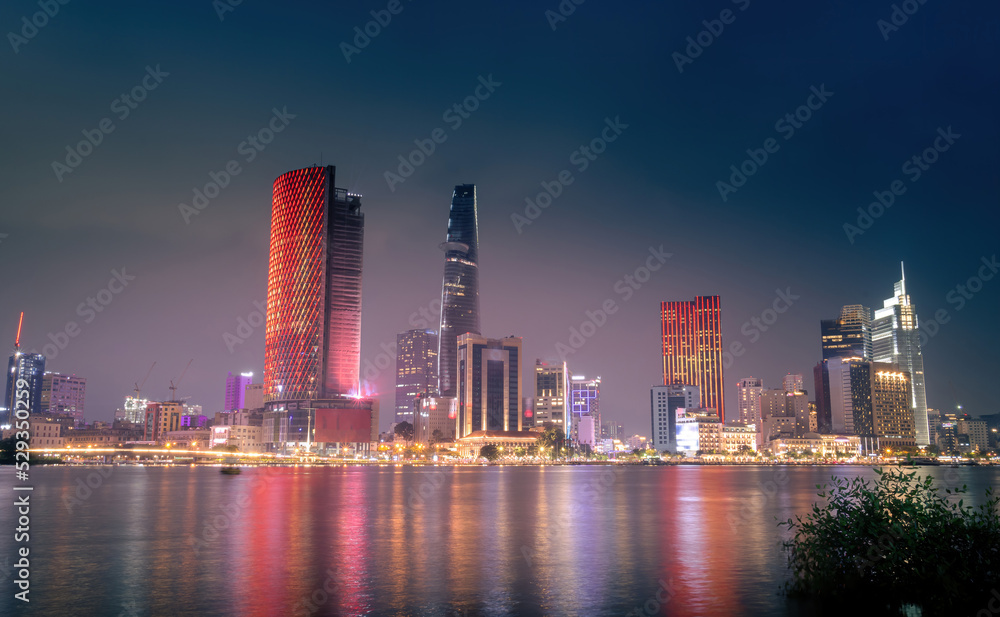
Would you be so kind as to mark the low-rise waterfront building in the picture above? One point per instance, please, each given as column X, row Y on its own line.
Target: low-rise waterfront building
column 824, row 446
column 245, row 437
column 45, row 433
column 698, row 431
column 200, row 438
column 469, row 446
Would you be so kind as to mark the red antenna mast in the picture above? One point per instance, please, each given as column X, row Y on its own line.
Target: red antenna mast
column 17, row 341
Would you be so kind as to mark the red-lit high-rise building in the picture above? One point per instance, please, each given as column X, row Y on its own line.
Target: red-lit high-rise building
column 692, row 348
column 312, row 348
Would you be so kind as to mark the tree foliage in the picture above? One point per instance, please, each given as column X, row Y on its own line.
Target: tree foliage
column 552, row 439
column 896, row 542
column 490, row 452
column 404, row 430
column 7, row 449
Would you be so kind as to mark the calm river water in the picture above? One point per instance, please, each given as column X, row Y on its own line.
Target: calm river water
column 305, row 541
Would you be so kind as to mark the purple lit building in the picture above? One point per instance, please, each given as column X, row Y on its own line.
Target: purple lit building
column 235, row 389
column 194, row 421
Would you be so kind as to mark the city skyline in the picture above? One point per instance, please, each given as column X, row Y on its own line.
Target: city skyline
column 511, row 309
column 168, row 285
column 847, row 313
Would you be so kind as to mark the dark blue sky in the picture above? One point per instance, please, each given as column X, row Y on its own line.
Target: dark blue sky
column 656, row 184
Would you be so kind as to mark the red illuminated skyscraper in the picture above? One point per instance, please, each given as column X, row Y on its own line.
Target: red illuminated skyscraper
column 692, row 348
column 312, row 348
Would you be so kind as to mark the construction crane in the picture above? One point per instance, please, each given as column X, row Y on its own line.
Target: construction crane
column 17, row 340
column 173, row 386
column 138, row 386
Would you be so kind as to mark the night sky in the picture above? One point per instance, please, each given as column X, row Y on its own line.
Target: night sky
column 67, row 227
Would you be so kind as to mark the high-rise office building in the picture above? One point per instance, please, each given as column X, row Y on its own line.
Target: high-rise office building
column 64, row 394
column 793, row 383
column 460, row 287
column 850, row 396
column 312, row 344
column 236, row 390
column 892, row 413
column 551, row 395
column 416, row 370
column 692, row 348
column 871, row 400
column 978, row 431
column 489, row 384
column 850, row 335
column 748, row 391
column 29, row 367
column 896, row 340
column 665, row 403
column 584, row 402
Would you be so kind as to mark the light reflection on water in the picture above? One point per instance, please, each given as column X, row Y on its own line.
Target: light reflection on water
column 681, row 541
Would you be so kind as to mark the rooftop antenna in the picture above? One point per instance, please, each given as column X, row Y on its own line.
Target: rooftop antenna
column 17, row 339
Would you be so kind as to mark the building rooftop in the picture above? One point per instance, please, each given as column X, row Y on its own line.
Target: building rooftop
column 501, row 435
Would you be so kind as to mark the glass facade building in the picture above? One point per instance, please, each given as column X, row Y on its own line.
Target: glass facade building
column 31, row 368
column 850, row 393
column 849, row 336
column 896, row 340
column 489, row 384
column 692, row 348
column 460, row 287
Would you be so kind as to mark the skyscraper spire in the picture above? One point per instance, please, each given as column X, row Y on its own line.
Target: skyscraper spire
column 460, row 287
column 902, row 280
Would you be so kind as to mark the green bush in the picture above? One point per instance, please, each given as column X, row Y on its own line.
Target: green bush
column 895, row 543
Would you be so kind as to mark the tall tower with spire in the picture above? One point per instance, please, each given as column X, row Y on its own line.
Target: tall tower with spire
column 460, row 287
column 896, row 339
column 29, row 369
